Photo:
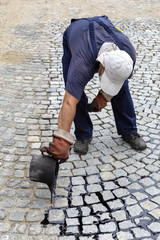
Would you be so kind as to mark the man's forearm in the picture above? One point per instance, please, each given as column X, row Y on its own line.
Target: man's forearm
column 62, row 138
column 67, row 112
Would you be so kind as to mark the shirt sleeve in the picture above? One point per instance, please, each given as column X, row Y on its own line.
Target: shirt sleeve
column 79, row 74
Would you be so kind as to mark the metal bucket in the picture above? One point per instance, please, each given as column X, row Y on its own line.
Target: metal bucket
column 44, row 169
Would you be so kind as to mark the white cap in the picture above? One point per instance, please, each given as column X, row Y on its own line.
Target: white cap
column 118, row 67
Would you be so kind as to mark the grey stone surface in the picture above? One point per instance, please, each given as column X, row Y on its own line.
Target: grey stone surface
column 56, row 215
column 108, row 227
column 90, row 229
column 17, row 215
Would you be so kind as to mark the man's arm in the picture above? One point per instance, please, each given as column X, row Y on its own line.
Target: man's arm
column 63, row 140
column 67, row 112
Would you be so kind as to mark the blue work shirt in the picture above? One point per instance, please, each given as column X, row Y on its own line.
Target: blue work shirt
column 83, row 64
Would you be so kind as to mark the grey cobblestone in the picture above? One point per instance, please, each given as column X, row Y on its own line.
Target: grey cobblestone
column 52, row 230
column 107, row 195
column 72, row 212
column 42, row 193
column 78, row 180
column 72, row 230
column 79, row 172
column 91, row 199
column 115, row 204
column 35, row 229
column 119, row 215
column 108, row 227
column 89, row 220
column 99, row 208
column 67, row 238
column 126, row 224
column 134, row 210
column 85, row 211
column 155, row 213
column 20, row 228
column 77, row 201
column 17, row 215
column 77, row 190
column 61, row 202
column 94, row 188
column 90, row 229
column 139, row 233
column 34, row 216
column 72, row 221
column 56, row 215
column 4, row 227
column 105, row 236
column 155, row 227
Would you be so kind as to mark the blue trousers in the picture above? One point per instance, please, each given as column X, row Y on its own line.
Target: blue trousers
column 122, row 106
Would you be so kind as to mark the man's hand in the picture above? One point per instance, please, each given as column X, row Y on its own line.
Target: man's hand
column 98, row 103
column 60, row 146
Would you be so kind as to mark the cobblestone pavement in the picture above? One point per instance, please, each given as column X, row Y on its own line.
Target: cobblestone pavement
column 113, row 192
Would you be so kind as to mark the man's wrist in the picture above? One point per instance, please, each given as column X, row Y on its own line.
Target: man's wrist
column 108, row 97
column 64, row 134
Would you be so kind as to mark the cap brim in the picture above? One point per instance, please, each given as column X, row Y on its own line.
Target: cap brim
column 109, row 87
